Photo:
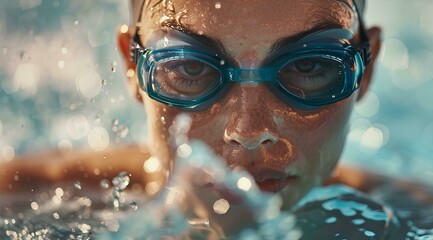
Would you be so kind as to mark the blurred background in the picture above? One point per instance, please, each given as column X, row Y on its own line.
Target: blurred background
column 62, row 84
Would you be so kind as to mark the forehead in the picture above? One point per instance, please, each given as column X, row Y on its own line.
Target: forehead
column 239, row 24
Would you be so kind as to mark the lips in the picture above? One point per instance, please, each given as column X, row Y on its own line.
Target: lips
column 276, row 185
column 270, row 180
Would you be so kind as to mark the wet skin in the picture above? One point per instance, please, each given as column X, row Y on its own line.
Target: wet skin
column 286, row 149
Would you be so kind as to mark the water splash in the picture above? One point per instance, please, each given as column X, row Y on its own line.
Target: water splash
column 105, row 184
column 121, row 181
column 77, row 185
column 133, row 205
column 194, row 157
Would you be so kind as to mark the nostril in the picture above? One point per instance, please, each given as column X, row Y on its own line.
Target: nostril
column 249, row 142
column 268, row 142
column 234, row 143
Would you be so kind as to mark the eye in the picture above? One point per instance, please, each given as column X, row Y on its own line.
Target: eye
column 312, row 77
column 186, row 77
column 306, row 66
column 193, row 68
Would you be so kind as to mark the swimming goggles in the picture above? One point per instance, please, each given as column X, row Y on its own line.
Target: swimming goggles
column 317, row 70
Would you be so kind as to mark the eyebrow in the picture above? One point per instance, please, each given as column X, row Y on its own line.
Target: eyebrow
column 213, row 44
column 217, row 46
column 282, row 43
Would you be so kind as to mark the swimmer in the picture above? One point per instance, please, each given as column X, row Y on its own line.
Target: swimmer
column 269, row 86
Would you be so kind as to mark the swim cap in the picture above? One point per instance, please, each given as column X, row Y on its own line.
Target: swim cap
column 137, row 8
column 360, row 5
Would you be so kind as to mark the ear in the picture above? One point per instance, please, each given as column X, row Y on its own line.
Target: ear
column 374, row 35
column 124, row 40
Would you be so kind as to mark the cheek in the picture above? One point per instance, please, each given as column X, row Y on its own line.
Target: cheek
column 159, row 119
column 207, row 125
column 317, row 137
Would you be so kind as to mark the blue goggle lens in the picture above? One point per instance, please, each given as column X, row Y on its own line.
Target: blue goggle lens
column 185, row 78
column 312, row 78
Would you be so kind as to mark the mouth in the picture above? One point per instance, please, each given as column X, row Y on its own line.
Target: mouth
column 274, row 180
column 274, row 185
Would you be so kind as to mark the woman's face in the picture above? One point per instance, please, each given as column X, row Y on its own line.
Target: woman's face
column 286, row 149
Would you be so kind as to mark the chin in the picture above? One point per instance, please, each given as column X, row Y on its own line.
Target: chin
column 292, row 194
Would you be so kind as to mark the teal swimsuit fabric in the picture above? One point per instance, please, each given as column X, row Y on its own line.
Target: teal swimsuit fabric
column 340, row 212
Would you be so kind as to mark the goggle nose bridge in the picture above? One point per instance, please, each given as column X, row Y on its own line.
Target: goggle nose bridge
column 257, row 75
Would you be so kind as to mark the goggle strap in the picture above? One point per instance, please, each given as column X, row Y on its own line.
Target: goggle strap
column 365, row 47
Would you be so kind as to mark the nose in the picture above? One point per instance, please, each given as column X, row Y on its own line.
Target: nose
column 251, row 123
column 251, row 142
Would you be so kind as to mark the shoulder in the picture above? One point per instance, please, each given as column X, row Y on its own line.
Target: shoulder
column 53, row 168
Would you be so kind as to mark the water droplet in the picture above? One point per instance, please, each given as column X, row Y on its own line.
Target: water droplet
column 96, row 171
column 8, row 153
column 123, row 131
column 221, row 206
column 151, row 165
column 77, row 185
column 76, row 23
column 222, row 62
column 358, row 221
column 24, row 56
column 116, row 194
column 34, row 205
column 130, row 73
column 244, row 184
column 369, row 233
column 115, row 122
column 59, row 192
column 98, row 138
column 61, row 64
column 97, row 120
column 84, row 228
column 104, row 82
column 331, row 220
column 152, row 188
column 114, row 66
column 88, row 83
column 124, row 28
column 56, row 215
column 133, row 205
column 105, row 184
column 116, row 204
column 121, row 181
column 64, row 50
column 217, row 5
column 184, row 150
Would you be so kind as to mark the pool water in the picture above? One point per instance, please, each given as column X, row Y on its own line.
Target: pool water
column 333, row 212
